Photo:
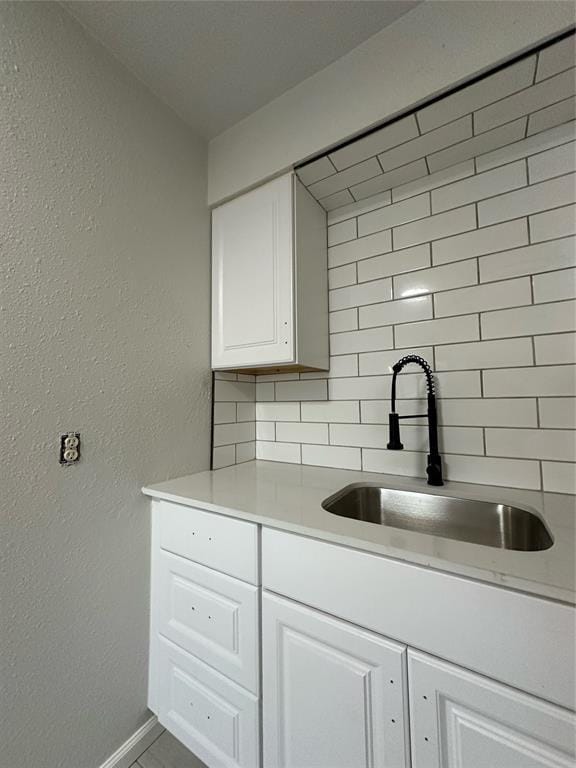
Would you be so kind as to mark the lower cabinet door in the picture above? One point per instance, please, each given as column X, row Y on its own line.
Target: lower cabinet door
column 333, row 694
column 212, row 716
column 463, row 720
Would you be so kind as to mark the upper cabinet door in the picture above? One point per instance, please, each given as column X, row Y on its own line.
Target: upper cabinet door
column 462, row 720
column 253, row 278
column 333, row 694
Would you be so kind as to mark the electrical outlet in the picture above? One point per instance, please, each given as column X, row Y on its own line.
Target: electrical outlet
column 69, row 448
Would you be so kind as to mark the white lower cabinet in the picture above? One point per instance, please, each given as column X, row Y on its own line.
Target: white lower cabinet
column 334, row 695
column 463, row 720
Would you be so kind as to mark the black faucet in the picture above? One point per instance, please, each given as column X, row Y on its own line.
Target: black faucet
column 434, row 466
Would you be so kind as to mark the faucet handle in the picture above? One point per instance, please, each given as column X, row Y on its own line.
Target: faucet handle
column 394, row 443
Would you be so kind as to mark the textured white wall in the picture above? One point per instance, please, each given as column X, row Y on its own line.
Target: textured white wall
column 434, row 47
column 104, row 274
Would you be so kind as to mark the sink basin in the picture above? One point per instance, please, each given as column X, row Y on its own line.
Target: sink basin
column 479, row 522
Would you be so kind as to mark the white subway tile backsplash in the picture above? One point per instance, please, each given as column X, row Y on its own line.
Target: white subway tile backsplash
column 543, row 381
column 265, row 430
column 223, row 456
column 340, row 276
column 430, row 142
column 234, row 391
column 489, row 412
column 363, row 248
column 314, row 389
column 375, row 363
column 332, row 411
column 526, row 147
column 553, row 162
column 344, row 320
column 556, row 444
column 434, row 180
column 316, row 170
column 499, row 237
column 556, row 58
column 456, row 275
column 331, row 456
column 502, row 179
column 264, row 391
column 226, row 434
column 337, row 200
column 288, row 452
column 246, row 412
column 541, row 257
column 555, row 114
column 245, row 452
column 481, row 289
column 537, row 197
column 278, row 411
column 559, row 477
column 301, row 432
column 355, row 209
column 554, row 349
column 361, row 341
column 489, row 89
column 402, row 175
column 536, row 97
column 394, row 263
column 512, row 473
column 558, row 413
column 344, row 179
column 480, row 298
column 392, row 215
column 526, row 321
column 343, row 365
column 389, row 136
column 224, row 413
column 402, row 311
column 558, row 222
column 434, row 227
column 358, row 295
column 555, row 286
column 478, row 145
column 342, row 232
column 478, row 355
column 444, row 331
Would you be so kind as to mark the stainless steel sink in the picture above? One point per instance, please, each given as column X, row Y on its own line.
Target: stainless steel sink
column 479, row 522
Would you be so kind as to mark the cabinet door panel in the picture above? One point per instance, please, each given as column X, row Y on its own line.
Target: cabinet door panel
column 463, row 720
column 252, row 277
column 333, row 694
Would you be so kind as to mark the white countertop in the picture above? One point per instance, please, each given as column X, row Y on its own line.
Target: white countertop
column 289, row 496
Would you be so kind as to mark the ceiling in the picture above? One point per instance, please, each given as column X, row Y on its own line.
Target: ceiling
column 216, row 61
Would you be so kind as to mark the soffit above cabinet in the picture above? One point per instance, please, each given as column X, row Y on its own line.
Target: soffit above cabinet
column 524, row 98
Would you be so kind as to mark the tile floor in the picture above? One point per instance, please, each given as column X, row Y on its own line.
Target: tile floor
column 167, row 752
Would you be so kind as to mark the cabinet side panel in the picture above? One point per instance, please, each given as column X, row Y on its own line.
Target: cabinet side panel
column 311, row 280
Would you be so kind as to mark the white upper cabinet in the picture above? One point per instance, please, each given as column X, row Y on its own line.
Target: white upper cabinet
column 269, row 280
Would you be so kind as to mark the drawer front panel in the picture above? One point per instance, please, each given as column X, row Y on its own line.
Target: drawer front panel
column 210, row 615
column 219, row 542
column 470, row 623
column 213, row 717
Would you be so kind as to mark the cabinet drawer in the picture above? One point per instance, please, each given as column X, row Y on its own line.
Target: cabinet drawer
column 212, row 716
column 209, row 614
column 219, row 542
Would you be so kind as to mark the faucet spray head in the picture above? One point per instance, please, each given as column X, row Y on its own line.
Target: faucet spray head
column 394, row 443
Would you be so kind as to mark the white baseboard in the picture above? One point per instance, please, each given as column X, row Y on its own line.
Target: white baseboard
column 135, row 745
